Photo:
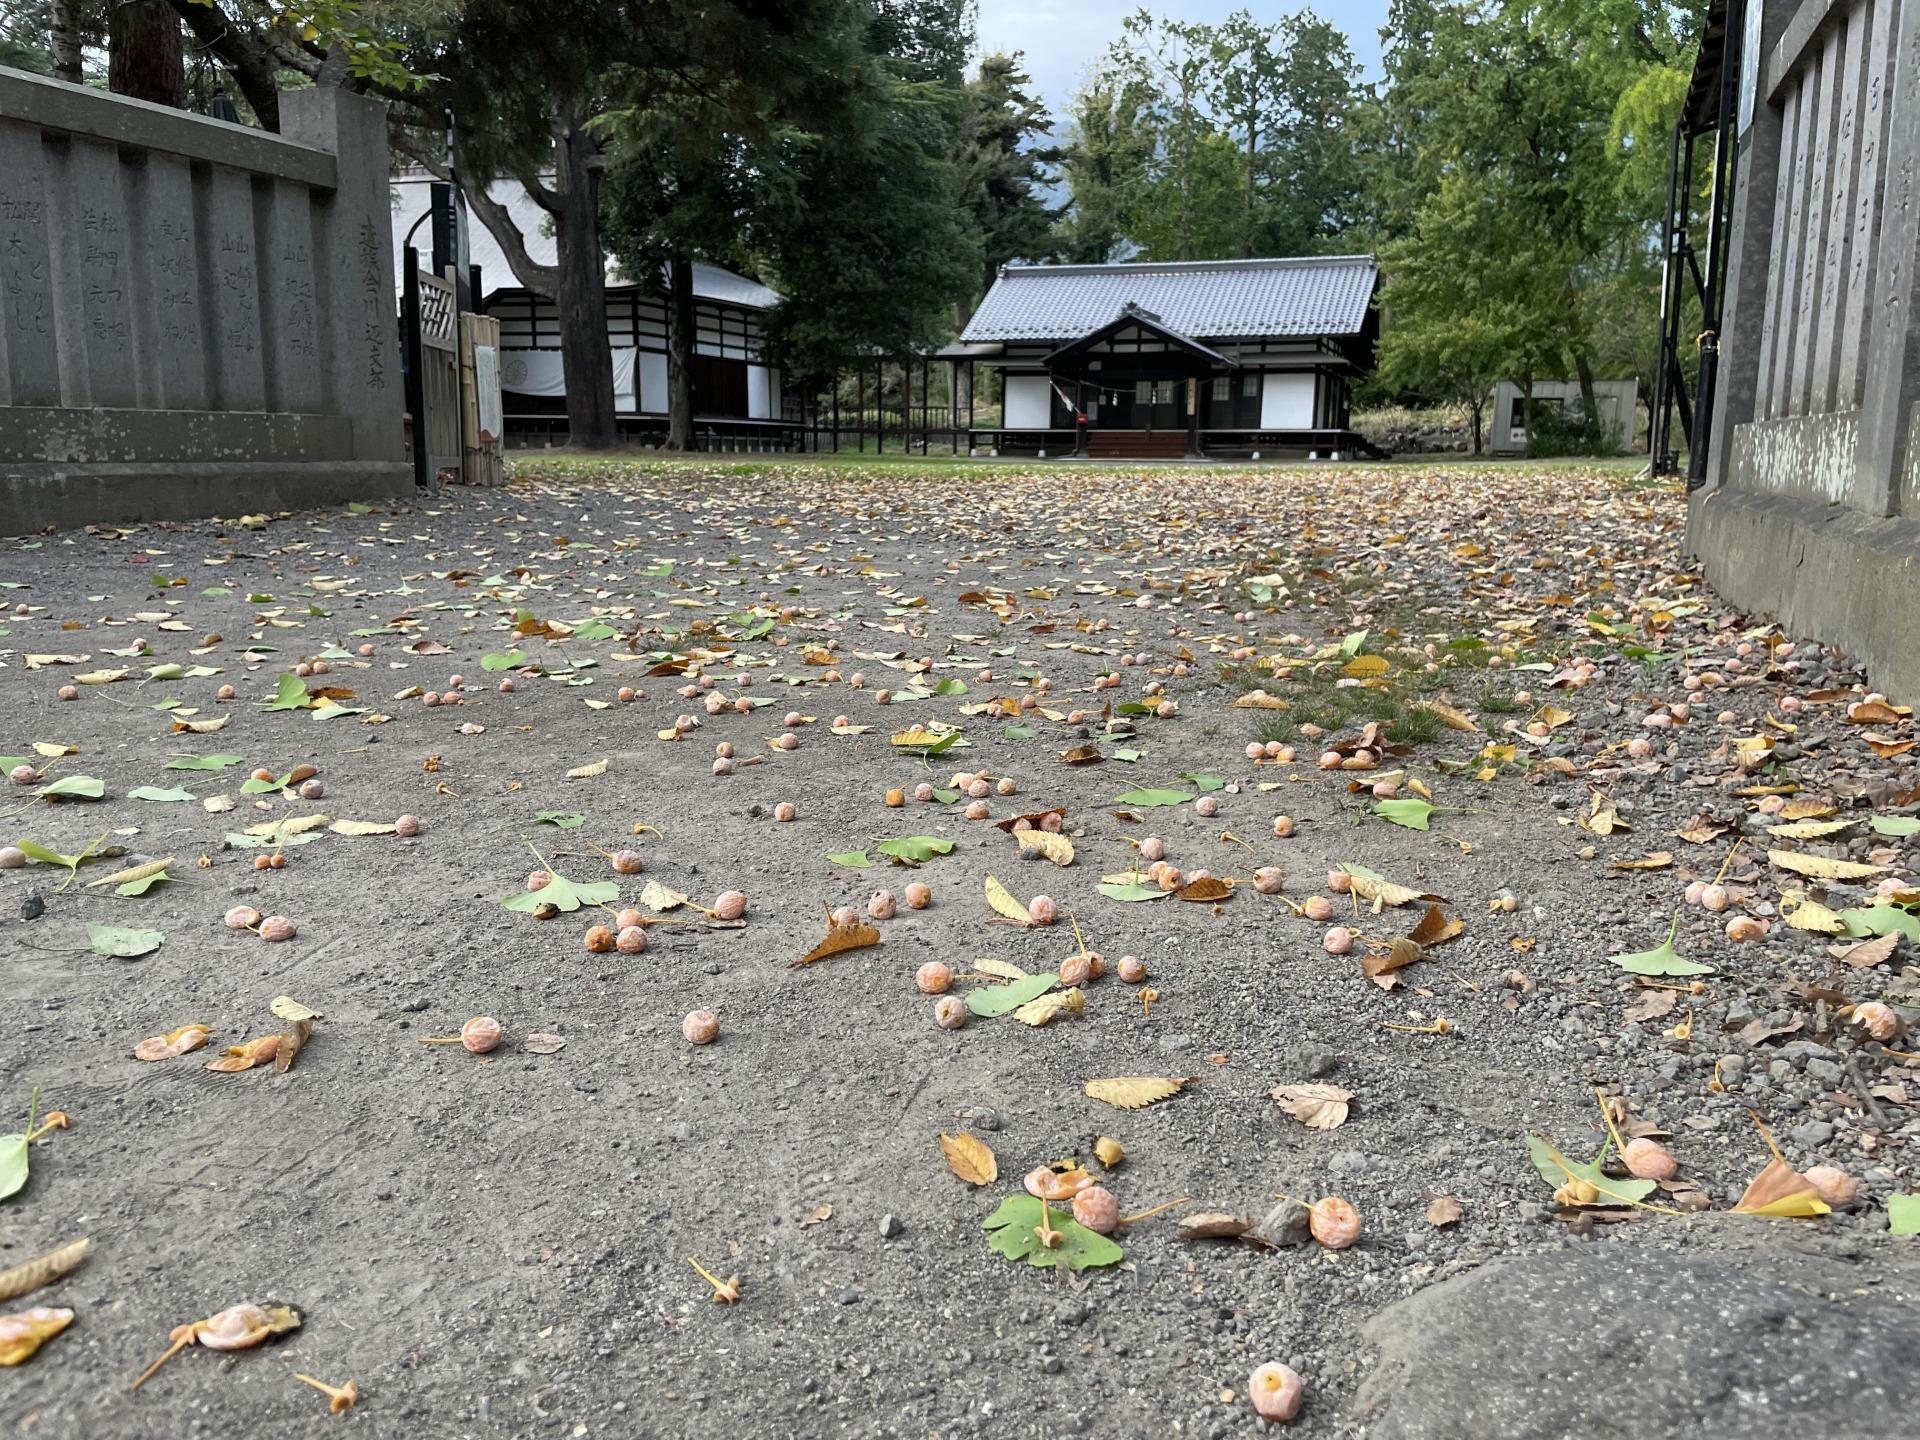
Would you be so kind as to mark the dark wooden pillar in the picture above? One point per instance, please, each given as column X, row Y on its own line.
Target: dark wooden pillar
column 1193, row 416
column 1079, row 417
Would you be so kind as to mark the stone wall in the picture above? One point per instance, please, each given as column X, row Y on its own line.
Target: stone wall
column 195, row 318
column 1809, row 512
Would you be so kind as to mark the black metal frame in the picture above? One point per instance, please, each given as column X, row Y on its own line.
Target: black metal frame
column 1712, row 109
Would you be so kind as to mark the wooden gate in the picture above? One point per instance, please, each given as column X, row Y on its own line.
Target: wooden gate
column 429, row 322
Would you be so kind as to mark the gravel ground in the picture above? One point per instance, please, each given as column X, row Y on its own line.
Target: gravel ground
column 497, row 1244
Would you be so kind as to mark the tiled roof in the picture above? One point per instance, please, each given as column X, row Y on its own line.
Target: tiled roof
column 1208, row 299
column 410, row 202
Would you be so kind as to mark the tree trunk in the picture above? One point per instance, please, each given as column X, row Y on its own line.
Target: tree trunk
column 1474, row 407
column 586, row 354
column 143, row 52
column 1526, row 412
column 241, row 52
column 1588, row 400
column 680, row 353
column 64, row 46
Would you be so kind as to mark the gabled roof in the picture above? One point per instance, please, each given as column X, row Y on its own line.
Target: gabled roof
column 1133, row 317
column 1213, row 299
column 411, row 197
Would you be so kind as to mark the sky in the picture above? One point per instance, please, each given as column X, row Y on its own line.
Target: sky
column 1062, row 38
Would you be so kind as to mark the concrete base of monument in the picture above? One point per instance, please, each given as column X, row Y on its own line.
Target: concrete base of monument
column 1821, row 569
column 52, row 496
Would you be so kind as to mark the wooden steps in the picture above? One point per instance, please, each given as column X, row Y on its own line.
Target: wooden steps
column 1137, row 444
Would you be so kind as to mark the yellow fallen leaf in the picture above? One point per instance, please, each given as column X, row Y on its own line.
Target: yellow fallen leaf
column 200, row 727
column 1810, row 829
column 969, row 1157
column 657, row 897
column 1822, row 867
column 1451, row 716
column 587, row 772
column 1555, row 716
column 1783, row 1193
column 1051, row 1006
column 54, row 751
column 99, row 677
column 363, row 827
column 1057, row 848
column 1363, row 667
column 1131, row 1092
column 1658, row 860
column 291, row 1010
column 25, row 1332
column 128, row 876
column 1003, row 969
column 1812, row 915
column 1003, row 903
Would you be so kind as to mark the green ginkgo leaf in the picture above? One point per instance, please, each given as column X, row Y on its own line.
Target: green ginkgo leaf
column 1411, row 811
column 854, row 859
column 1149, row 799
column 915, row 849
column 172, row 795
column 1014, row 1232
column 122, row 943
column 1663, row 961
column 993, row 1000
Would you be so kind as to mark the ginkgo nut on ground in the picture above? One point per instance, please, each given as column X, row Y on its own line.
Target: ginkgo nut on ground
column 598, row 939
column 1337, row 941
column 950, row 1012
column 276, row 928
column 1317, row 907
column 784, row 811
column 880, row 905
column 933, row 978
column 631, row 940
column 480, row 1034
column 730, row 904
column 1043, row 910
column 1131, row 968
column 1276, row 1391
column 700, row 1027
column 918, row 895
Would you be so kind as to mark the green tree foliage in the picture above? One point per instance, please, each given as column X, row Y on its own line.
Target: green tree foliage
column 1516, row 181
column 1195, row 141
column 1006, row 169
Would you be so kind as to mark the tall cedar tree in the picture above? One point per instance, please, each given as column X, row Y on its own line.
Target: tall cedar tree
column 1007, row 167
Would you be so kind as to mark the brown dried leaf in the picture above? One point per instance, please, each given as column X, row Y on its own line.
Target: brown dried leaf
column 1451, row 717
column 1082, row 755
column 1434, row 928
column 1204, row 891
column 970, row 1157
column 1868, row 953
column 1702, row 830
column 174, row 1043
column 1782, row 1192
column 1379, row 967
column 840, row 939
column 543, row 1043
column 290, row 1045
column 1215, row 1225
column 42, row 1270
column 1444, row 1211
column 1318, row 1107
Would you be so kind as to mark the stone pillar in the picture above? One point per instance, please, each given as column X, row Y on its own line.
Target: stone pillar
column 1750, row 234
column 1893, row 344
column 168, row 318
column 289, row 300
column 353, row 246
column 29, row 363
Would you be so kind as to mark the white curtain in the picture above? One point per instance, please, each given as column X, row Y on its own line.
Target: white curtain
column 539, row 372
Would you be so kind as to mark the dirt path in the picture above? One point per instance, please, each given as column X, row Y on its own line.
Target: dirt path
column 497, row 1244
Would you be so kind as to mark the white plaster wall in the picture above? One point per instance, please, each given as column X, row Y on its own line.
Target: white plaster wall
column 1286, row 401
column 1029, row 402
